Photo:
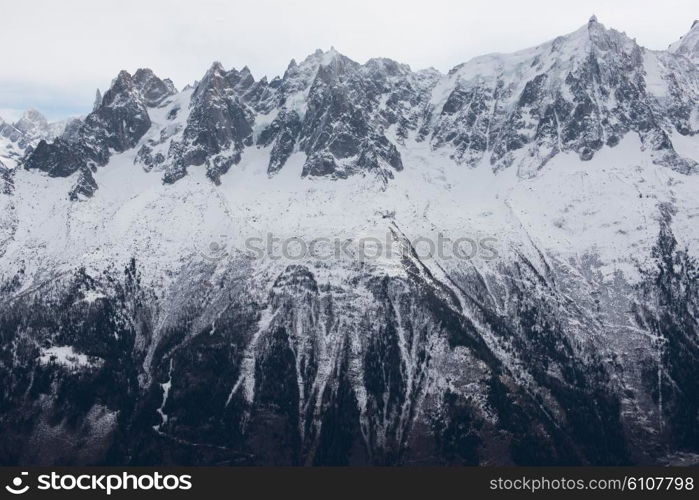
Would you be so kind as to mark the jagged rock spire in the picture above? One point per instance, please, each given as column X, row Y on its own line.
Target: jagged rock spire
column 98, row 100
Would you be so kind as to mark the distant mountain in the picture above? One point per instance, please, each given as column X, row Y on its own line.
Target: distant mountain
column 19, row 138
column 361, row 264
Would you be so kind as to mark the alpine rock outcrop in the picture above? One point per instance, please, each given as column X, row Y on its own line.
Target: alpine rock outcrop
column 19, row 138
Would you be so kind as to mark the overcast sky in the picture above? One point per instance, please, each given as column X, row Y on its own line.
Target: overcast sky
column 54, row 54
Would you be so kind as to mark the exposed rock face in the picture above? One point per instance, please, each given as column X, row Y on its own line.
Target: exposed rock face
column 283, row 133
column 219, row 125
column 153, row 90
column 576, row 93
column 145, row 325
column 342, row 126
column 337, row 133
column 301, row 376
column 6, row 182
column 116, row 125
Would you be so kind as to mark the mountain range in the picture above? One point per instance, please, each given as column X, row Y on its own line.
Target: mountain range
column 140, row 325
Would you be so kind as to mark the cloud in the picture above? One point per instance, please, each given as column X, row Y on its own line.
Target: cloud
column 56, row 53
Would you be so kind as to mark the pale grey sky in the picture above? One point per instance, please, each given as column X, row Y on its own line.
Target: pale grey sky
column 56, row 53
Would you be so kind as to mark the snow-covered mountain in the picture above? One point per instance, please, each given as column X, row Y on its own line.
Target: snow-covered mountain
column 688, row 45
column 19, row 138
column 141, row 324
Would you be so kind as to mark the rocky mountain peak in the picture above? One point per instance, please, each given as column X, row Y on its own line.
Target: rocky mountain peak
column 20, row 138
column 594, row 37
column 216, row 68
column 32, row 122
column 98, row 100
column 688, row 45
column 153, row 90
column 212, row 85
column 332, row 58
column 122, row 118
column 577, row 93
column 116, row 125
column 121, row 88
column 218, row 127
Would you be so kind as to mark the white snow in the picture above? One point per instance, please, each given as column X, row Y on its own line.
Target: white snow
column 688, row 45
column 165, row 386
column 604, row 206
column 67, row 357
column 655, row 83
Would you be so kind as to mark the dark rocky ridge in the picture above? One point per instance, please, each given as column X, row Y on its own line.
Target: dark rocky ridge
column 579, row 92
column 566, row 107
column 116, row 125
